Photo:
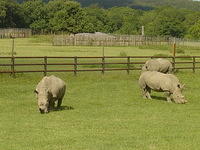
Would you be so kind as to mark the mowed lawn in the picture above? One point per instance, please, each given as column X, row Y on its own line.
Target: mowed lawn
column 100, row 112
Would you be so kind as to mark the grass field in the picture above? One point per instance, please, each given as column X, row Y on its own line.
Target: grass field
column 107, row 113
column 99, row 112
column 42, row 46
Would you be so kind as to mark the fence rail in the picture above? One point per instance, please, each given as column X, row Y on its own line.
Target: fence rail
column 84, row 64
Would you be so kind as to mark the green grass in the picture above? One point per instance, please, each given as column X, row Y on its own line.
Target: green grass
column 42, row 46
column 108, row 114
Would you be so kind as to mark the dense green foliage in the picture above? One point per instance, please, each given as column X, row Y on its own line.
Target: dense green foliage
column 68, row 16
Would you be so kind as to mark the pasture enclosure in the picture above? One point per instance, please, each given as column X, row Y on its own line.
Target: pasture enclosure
column 15, row 33
column 83, row 64
column 98, row 113
column 102, row 39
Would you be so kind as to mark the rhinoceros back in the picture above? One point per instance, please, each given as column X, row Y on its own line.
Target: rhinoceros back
column 56, row 86
column 158, row 81
column 53, row 84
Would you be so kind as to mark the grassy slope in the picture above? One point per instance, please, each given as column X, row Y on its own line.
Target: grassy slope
column 108, row 113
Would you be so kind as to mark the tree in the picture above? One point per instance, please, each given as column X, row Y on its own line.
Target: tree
column 165, row 21
column 11, row 14
column 195, row 30
column 97, row 18
column 2, row 12
column 124, row 20
column 65, row 15
column 35, row 14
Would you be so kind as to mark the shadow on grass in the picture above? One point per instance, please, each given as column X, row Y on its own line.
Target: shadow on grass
column 64, row 108
column 160, row 98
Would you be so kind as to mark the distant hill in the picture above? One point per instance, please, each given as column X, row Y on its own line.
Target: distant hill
column 21, row 1
column 144, row 4
column 140, row 4
column 184, row 4
column 106, row 3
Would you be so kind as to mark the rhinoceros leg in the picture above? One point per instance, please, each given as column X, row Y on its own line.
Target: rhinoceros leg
column 168, row 95
column 51, row 104
column 144, row 93
column 59, row 102
column 148, row 93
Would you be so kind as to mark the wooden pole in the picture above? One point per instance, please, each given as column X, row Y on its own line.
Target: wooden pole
column 103, row 51
column 75, row 65
column 45, row 65
column 173, row 63
column 13, row 46
column 194, row 66
column 13, row 66
column 128, row 64
column 103, row 65
column 13, row 58
column 174, row 48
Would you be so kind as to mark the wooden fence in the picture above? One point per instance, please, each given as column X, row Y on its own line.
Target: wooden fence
column 100, row 39
column 80, row 64
column 108, row 40
column 15, row 33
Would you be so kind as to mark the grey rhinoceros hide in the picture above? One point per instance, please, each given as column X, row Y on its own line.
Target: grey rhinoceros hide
column 160, row 65
column 48, row 91
column 168, row 83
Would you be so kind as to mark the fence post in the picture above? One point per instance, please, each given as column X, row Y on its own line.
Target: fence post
column 45, row 65
column 173, row 63
column 128, row 64
column 103, row 65
column 13, row 66
column 174, row 48
column 194, row 62
column 75, row 65
column 13, row 46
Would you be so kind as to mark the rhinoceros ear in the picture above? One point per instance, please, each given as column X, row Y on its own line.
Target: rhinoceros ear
column 181, row 86
column 35, row 91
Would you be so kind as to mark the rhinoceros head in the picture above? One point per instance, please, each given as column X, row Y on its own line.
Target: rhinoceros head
column 178, row 97
column 43, row 102
column 144, row 68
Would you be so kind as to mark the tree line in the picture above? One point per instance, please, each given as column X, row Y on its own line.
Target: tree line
column 70, row 17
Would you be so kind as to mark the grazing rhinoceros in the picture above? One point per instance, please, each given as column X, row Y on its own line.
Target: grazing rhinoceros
column 168, row 83
column 160, row 65
column 49, row 90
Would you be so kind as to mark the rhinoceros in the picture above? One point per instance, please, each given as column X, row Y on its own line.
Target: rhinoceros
column 159, row 64
column 157, row 81
column 49, row 90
